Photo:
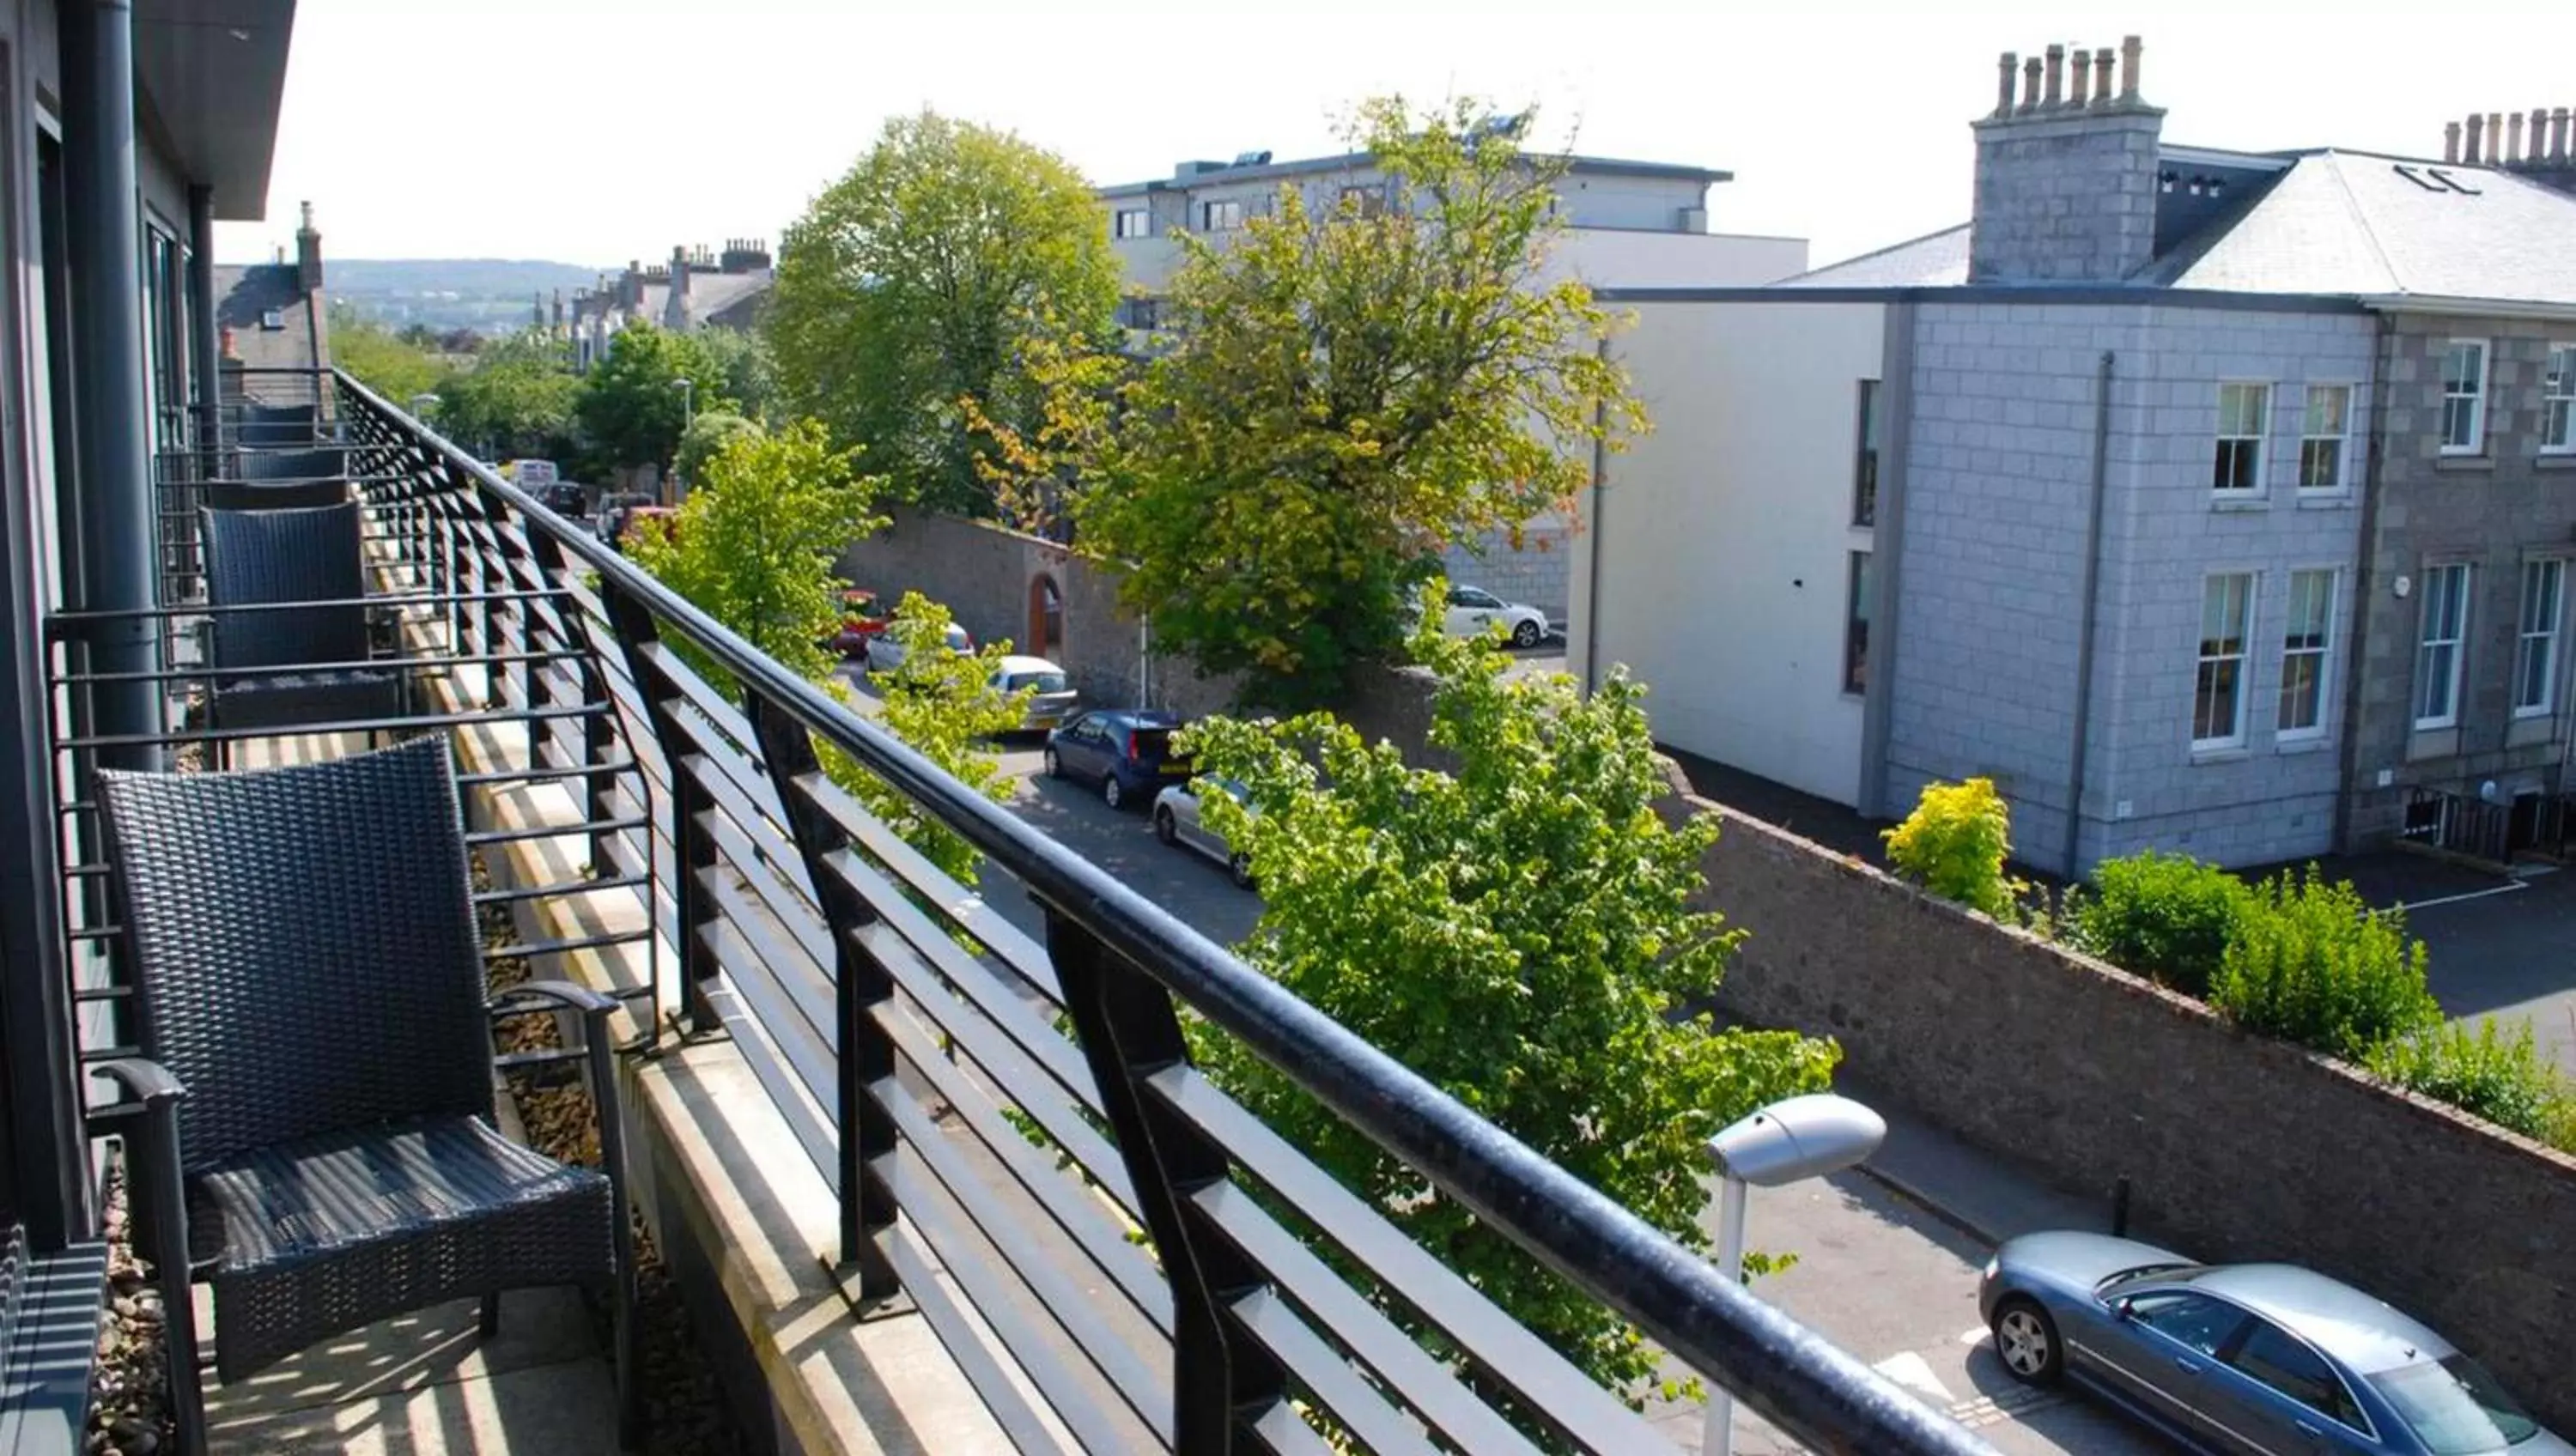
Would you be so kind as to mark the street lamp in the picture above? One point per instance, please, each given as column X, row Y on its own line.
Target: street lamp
column 688, row 401
column 1789, row 1141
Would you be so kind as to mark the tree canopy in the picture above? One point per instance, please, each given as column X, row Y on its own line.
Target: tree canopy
column 396, row 368
column 911, row 284
column 630, row 408
column 1531, row 944
column 516, row 400
column 705, row 438
column 1355, row 380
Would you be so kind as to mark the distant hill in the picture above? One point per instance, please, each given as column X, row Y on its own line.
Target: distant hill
column 489, row 295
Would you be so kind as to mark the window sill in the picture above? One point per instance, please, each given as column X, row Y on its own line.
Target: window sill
column 2464, row 464
column 2337, row 499
column 2220, row 753
column 2239, row 501
column 2555, row 460
column 2423, row 742
column 2315, row 743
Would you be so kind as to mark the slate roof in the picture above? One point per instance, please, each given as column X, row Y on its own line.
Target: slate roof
column 245, row 295
column 2334, row 224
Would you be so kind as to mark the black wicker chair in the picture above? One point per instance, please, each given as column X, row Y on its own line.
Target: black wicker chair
column 310, row 1123
column 284, row 669
column 292, row 495
column 312, row 463
column 271, row 426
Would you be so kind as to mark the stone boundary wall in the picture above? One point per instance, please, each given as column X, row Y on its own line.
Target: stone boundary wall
column 2246, row 1148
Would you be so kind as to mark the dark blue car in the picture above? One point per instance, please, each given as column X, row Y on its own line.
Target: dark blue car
column 1127, row 751
column 2244, row 1358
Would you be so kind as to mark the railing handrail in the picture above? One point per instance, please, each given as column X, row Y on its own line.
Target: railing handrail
column 1811, row 1388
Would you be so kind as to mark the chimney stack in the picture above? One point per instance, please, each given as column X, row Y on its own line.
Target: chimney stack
column 2066, row 172
column 2558, row 137
column 2451, row 142
column 2513, row 148
column 308, row 254
column 2477, row 130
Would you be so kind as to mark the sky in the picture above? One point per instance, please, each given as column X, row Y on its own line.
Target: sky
column 598, row 131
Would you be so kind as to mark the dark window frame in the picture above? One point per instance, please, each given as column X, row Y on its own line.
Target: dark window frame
column 1865, row 455
column 1856, row 615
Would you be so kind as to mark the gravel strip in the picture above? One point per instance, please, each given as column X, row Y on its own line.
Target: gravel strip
column 129, row 1401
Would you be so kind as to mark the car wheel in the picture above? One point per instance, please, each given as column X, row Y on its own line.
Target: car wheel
column 2026, row 1341
column 1239, row 870
column 1525, row 633
column 1165, row 828
column 1053, row 765
column 1112, row 792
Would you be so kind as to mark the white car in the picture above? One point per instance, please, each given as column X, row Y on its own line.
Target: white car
column 1051, row 698
column 1177, row 823
column 1474, row 610
column 884, row 654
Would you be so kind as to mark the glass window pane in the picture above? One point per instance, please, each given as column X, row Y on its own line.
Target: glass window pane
column 2198, row 1321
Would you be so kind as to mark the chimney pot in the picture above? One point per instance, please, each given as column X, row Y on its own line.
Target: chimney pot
column 2130, row 49
column 2056, row 74
column 2451, row 141
column 2558, row 137
column 2075, row 76
column 2495, row 138
column 2513, row 146
column 2536, row 149
column 2005, row 70
column 2477, row 138
column 2102, row 76
column 2030, row 84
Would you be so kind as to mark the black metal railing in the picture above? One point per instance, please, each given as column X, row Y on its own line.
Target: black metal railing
column 1129, row 1273
column 2459, row 824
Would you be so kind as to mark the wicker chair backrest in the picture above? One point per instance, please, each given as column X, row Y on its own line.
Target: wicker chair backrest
column 303, row 944
column 259, row 557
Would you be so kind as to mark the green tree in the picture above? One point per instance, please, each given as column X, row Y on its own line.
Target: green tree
column 1523, row 932
column 755, row 543
column 516, row 400
column 1349, row 389
column 630, row 407
column 397, row 369
column 911, row 284
column 705, row 438
column 1955, row 845
column 945, row 704
column 749, row 370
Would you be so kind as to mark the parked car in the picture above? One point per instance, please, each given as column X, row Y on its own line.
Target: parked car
column 1127, row 751
column 863, row 617
column 610, row 517
column 884, row 654
column 1473, row 610
column 1051, row 697
column 2245, row 1357
column 1177, row 823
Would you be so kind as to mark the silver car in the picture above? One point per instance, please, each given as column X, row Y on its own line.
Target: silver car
column 2244, row 1358
column 1177, row 822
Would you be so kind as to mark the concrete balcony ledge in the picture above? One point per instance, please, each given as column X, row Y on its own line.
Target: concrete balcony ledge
column 747, row 1225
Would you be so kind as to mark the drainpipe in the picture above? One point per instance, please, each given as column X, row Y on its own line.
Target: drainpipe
column 2092, row 590
column 2365, row 584
column 112, row 499
column 1592, row 553
column 204, row 353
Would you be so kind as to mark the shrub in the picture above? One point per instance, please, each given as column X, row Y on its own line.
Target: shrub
column 2500, row 1078
column 1954, row 844
column 2169, row 917
column 2311, row 963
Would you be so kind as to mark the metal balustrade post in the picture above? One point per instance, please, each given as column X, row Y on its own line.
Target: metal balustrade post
column 1128, row 1031
column 863, row 1053
column 598, row 730
column 690, row 804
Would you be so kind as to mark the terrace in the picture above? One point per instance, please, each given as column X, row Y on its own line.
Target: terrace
column 828, row 1056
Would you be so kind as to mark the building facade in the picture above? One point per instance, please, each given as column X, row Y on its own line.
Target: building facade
column 2126, row 494
column 698, row 289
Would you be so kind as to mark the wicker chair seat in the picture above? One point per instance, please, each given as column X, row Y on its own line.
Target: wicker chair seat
column 291, row 699
column 321, row 1235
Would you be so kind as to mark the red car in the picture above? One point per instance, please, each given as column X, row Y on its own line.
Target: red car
column 862, row 617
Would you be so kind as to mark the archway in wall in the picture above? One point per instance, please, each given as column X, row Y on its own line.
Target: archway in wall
column 1045, row 637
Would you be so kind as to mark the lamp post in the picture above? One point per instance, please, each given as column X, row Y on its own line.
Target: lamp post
column 1791, row 1140
column 688, row 401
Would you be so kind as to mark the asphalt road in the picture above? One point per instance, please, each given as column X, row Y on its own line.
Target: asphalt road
column 1876, row 1273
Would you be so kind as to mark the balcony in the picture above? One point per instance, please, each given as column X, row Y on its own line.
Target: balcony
column 928, row 1177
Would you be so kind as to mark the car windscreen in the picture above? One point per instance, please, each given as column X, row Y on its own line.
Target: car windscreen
column 1043, row 682
column 2176, row 1273
column 2454, row 1406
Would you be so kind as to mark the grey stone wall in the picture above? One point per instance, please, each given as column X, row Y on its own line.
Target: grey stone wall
column 2240, row 1147
column 1988, row 624
column 2065, row 196
column 2494, row 510
column 986, row 575
column 1535, row 573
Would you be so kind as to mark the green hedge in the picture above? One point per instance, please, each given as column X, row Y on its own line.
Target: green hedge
column 2169, row 917
column 2315, row 965
column 2501, row 1078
